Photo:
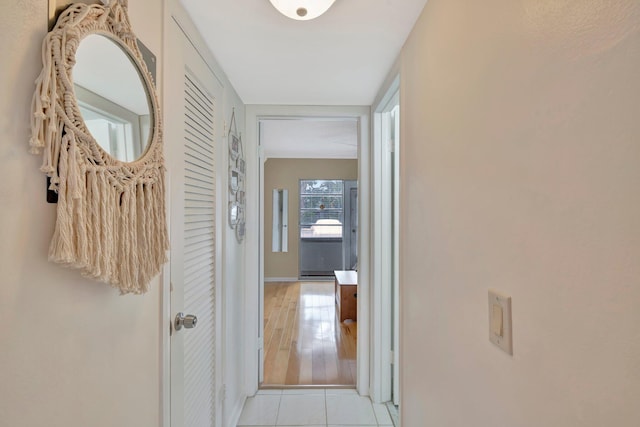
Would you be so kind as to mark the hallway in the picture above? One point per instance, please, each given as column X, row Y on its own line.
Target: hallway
column 313, row 408
column 519, row 153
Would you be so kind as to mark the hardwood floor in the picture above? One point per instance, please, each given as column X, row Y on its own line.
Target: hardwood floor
column 303, row 340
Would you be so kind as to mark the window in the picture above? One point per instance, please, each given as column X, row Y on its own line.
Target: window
column 321, row 208
column 120, row 132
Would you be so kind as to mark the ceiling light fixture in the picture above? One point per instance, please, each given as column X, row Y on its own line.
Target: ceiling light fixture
column 302, row 10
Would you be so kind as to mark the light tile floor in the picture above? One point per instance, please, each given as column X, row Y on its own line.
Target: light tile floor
column 393, row 411
column 313, row 408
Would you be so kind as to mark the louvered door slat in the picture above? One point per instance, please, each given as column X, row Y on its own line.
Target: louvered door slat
column 196, row 137
column 194, row 161
column 197, row 93
column 196, row 248
column 197, row 187
column 199, row 255
column 195, row 108
column 199, row 180
column 196, row 180
column 193, row 126
column 194, row 273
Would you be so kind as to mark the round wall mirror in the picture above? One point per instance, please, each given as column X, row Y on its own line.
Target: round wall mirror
column 112, row 98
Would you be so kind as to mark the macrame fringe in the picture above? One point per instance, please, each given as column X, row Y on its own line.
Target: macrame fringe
column 112, row 233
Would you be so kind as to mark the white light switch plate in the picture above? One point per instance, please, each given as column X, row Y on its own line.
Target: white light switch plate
column 504, row 341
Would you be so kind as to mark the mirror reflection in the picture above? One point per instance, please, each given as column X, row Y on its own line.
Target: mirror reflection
column 112, row 98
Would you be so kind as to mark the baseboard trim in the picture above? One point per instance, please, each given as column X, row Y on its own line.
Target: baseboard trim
column 280, row 279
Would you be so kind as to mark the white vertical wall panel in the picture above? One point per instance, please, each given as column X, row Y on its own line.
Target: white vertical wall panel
column 199, row 255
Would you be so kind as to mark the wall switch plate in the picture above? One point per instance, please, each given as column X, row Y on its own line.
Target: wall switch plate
column 500, row 332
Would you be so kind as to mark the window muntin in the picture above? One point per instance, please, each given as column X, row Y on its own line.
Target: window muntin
column 321, row 208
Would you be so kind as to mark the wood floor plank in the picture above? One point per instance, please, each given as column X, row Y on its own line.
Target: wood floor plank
column 305, row 344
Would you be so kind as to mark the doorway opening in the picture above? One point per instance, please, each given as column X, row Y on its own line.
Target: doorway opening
column 309, row 199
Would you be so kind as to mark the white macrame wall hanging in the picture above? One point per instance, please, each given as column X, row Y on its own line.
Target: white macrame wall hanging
column 111, row 222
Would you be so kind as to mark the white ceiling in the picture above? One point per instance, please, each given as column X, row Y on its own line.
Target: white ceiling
column 309, row 138
column 339, row 58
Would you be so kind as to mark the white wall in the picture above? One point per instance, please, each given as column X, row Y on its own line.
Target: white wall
column 72, row 351
column 520, row 149
column 233, row 287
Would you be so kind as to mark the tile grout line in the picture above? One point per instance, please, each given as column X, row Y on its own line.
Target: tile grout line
column 326, row 410
column 278, row 411
column 374, row 412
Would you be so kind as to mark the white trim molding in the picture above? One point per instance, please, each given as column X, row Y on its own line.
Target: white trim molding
column 255, row 230
column 381, row 244
column 280, row 279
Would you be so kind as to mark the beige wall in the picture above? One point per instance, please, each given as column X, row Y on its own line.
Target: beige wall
column 233, row 265
column 520, row 149
column 72, row 351
column 285, row 174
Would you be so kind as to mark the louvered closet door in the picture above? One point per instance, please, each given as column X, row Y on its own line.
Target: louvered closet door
column 194, row 98
column 199, row 255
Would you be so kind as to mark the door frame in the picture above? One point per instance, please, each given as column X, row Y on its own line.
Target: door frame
column 254, row 272
column 349, row 186
column 381, row 255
